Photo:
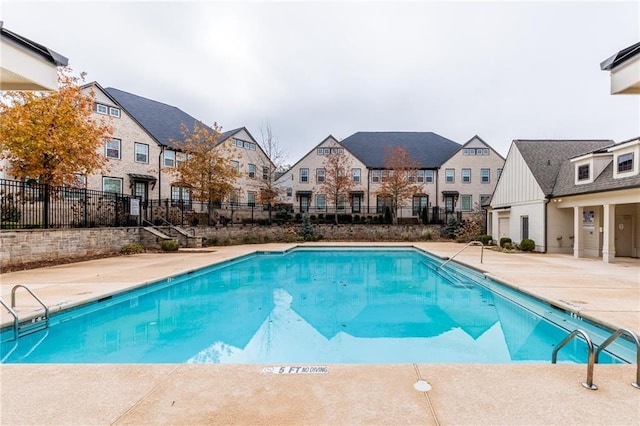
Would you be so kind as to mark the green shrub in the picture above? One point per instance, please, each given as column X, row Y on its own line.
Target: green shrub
column 527, row 245
column 485, row 239
column 504, row 240
column 451, row 227
column 169, row 245
column 507, row 246
column 132, row 248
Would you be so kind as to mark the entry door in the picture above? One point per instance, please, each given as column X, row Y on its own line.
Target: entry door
column 503, row 227
column 624, row 236
column 304, row 203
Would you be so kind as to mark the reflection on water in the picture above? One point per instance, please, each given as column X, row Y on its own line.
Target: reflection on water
column 359, row 306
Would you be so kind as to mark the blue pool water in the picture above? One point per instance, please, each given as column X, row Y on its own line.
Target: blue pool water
column 313, row 306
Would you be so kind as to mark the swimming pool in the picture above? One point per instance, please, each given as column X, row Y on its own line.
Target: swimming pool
column 314, row 306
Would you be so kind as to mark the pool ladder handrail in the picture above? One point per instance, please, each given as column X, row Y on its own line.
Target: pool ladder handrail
column 15, row 318
column 591, row 361
column 619, row 332
column 594, row 355
column 37, row 323
column 471, row 243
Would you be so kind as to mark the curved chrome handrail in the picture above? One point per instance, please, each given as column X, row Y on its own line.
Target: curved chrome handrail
column 554, row 356
column 15, row 318
column 472, row 243
column 614, row 336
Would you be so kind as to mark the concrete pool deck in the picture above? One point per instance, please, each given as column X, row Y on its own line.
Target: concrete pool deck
column 469, row 394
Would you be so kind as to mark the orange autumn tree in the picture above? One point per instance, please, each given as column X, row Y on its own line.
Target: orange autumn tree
column 399, row 184
column 51, row 136
column 205, row 169
column 338, row 182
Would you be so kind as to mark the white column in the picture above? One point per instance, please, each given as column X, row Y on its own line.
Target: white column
column 577, row 231
column 609, row 232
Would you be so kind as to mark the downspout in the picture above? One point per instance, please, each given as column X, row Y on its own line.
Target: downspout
column 546, row 226
column 368, row 190
column 436, row 179
column 160, row 173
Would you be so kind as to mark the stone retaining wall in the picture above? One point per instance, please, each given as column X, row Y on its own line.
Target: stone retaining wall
column 28, row 246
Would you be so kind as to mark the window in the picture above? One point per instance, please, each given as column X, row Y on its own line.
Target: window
column 342, row 202
column 625, row 162
column 304, row 175
column 449, row 176
column 180, row 193
column 169, row 158
column 289, row 192
column 420, row 202
column 355, row 175
column 384, row 175
column 465, row 203
column 421, row 176
column 252, row 171
column 466, row 175
column 499, row 173
column 375, row 176
column 251, row 198
column 382, row 203
column 141, row 152
column 113, row 148
column 265, row 173
column 319, row 175
column 321, row 202
column 485, row 151
column 583, row 172
column 234, row 197
column 110, row 184
column 525, row 227
column 102, row 109
column 485, row 175
column 429, row 176
column 181, row 157
column 235, row 164
column 114, row 112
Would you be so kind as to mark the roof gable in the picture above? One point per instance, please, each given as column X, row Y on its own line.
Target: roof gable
column 545, row 157
column 162, row 121
column 429, row 149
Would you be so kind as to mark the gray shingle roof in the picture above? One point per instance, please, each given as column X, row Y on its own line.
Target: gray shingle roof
column 565, row 184
column 162, row 121
column 429, row 149
column 546, row 157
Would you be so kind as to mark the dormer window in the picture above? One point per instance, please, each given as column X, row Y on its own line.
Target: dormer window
column 583, row 172
column 625, row 162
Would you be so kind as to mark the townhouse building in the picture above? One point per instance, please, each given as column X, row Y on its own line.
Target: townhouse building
column 467, row 178
column 451, row 177
column 143, row 151
column 302, row 185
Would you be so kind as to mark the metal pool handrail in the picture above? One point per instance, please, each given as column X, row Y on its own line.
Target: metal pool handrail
column 15, row 318
column 554, row 356
column 614, row 336
column 472, row 243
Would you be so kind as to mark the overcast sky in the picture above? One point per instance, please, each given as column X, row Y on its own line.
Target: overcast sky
column 501, row 70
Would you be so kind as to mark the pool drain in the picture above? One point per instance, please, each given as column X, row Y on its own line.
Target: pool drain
column 422, row 386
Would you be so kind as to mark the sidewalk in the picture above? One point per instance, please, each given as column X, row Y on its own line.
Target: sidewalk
column 512, row 394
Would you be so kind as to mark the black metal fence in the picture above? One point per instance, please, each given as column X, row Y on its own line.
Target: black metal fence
column 29, row 204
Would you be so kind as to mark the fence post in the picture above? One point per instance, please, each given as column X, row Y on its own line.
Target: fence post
column 45, row 213
column 85, row 209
